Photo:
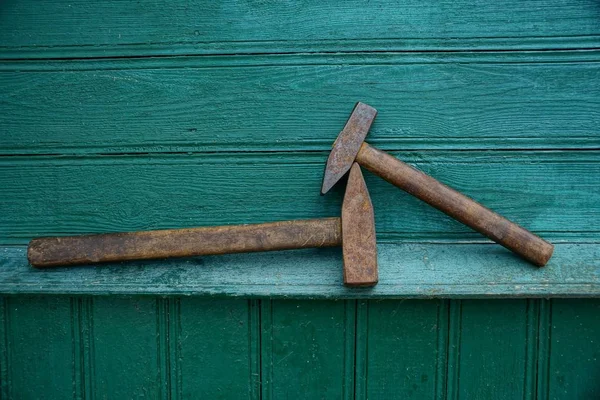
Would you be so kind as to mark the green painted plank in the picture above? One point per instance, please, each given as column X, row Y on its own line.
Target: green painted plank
column 305, row 349
column 4, row 367
column 453, row 350
column 405, row 349
column 361, row 348
column 406, row 270
column 426, row 101
column 551, row 193
column 85, row 28
column 544, row 345
column 125, row 346
column 216, row 353
column 40, row 347
column 574, row 361
column 492, row 349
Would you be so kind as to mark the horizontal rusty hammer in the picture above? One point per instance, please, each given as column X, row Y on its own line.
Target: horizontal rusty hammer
column 350, row 147
column 354, row 231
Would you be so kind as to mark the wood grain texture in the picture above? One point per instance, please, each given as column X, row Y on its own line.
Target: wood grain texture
column 486, row 330
column 194, row 242
column 403, row 349
column 554, row 194
column 485, row 96
column 64, row 27
column 115, row 347
column 407, row 270
column 409, row 346
column 574, row 361
column 40, row 347
column 216, row 351
column 427, row 101
column 125, row 348
column 304, row 350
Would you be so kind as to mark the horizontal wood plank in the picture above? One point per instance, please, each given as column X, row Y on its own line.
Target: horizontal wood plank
column 426, row 101
column 411, row 270
column 65, row 29
column 551, row 193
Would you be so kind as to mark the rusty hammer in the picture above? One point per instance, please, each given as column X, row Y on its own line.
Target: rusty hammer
column 350, row 147
column 354, row 231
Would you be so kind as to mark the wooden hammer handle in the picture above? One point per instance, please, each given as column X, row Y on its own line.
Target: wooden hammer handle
column 91, row 249
column 456, row 205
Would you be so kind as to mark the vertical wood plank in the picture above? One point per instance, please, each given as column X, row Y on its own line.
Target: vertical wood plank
column 217, row 348
column 543, row 352
column 266, row 349
column 80, row 348
column 453, row 348
column 406, row 343
column 85, row 311
column 574, row 367
column 305, row 349
column 3, row 349
column 39, row 347
column 351, row 361
column 532, row 348
column 125, row 348
column 254, row 331
column 493, row 349
column 174, row 346
column 163, row 306
column 361, row 349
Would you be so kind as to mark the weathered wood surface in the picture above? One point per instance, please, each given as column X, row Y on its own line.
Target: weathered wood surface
column 405, row 270
column 67, row 28
column 552, row 193
column 481, row 100
column 465, row 97
column 498, row 99
column 59, row 251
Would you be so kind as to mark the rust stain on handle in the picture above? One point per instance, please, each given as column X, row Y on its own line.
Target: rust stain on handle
column 456, row 205
column 91, row 249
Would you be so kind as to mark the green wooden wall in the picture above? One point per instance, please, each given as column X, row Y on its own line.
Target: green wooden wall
column 127, row 115
column 193, row 347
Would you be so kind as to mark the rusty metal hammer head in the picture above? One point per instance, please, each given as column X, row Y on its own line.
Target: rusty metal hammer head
column 346, row 146
column 359, row 247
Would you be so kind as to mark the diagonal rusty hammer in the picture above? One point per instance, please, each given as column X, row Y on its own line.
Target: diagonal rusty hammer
column 350, row 147
column 354, row 231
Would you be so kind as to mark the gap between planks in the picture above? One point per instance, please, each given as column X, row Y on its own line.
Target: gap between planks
column 300, row 47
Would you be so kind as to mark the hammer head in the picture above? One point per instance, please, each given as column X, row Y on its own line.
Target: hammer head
column 358, row 233
column 346, row 146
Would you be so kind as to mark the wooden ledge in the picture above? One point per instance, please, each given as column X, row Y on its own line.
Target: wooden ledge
column 409, row 270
